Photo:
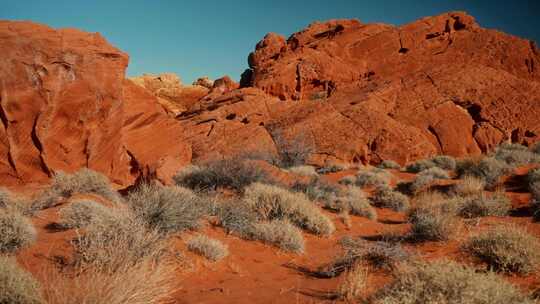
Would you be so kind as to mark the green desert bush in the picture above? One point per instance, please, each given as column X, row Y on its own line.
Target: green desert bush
column 303, row 170
column 81, row 213
column 507, row 249
column 488, row 169
column 234, row 173
column 385, row 197
column 110, row 243
column 469, row 185
column 372, row 178
column 447, row 282
column 211, row 249
column 389, row 164
column 481, row 205
column 168, row 209
column 17, row 286
column 272, row 202
column 65, row 185
column 16, row 231
column 280, row 233
column 444, row 162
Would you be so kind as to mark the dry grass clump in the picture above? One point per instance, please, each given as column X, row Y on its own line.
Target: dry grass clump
column 507, row 249
column 389, row 164
column 372, row 178
column 444, row 162
column 211, row 249
column 168, row 209
column 16, row 231
column 427, row 177
column 112, row 242
column 432, row 219
column 144, row 283
column 81, row 213
column 272, row 202
column 387, row 198
column 6, row 198
column 536, row 148
column 303, row 170
column 233, row 173
column 280, row 233
column 347, row 180
column 488, row 169
column 332, row 168
column 481, row 205
column 17, row 286
column 353, row 284
column 65, row 185
column 447, row 282
column 515, row 154
column 420, row 165
column 469, row 185
column 239, row 219
column 351, row 200
column 318, row 190
column 381, row 254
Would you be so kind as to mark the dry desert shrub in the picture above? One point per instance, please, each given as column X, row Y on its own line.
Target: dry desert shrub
column 318, row 190
column 168, row 209
column 17, row 286
column 142, row 283
column 211, row 249
column 480, row 205
column 272, row 202
column 536, row 148
column 426, row 177
column 280, row 233
column 241, row 220
column 420, row 165
column 332, row 168
column 65, row 185
column 515, row 154
column 81, row 213
column 385, row 197
column 232, row 173
column 372, row 178
column 347, row 180
column 447, row 282
column 433, row 218
column 351, row 200
column 389, row 164
column 444, row 162
column 489, row 169
column 112, row 242
column 507, row 249
column 469, row 185
column 16, row 231
column 354, row 283
column 303, row 170
column 380, row 254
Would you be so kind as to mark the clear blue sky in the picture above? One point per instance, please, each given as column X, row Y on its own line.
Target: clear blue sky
column 214, row 38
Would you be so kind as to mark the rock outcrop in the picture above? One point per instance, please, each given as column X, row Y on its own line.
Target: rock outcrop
column 171, row 94
column 65, row 105
column 373, row 91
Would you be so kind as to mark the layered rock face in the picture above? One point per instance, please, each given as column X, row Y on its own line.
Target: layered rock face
column 65, row 105
column 369, row 92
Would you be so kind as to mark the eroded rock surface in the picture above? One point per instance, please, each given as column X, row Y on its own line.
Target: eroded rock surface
column 63, row 106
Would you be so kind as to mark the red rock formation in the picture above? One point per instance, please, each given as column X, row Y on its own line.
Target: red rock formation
column 171, row 94
column 63, row 107
column 437, row 85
